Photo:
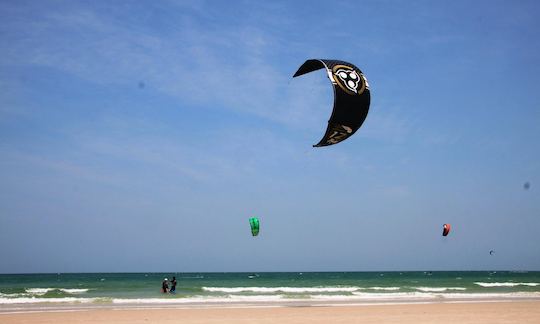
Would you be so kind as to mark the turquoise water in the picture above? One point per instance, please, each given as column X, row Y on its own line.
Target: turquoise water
column 265, row 287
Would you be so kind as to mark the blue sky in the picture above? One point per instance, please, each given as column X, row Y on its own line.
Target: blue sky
column 142, row 135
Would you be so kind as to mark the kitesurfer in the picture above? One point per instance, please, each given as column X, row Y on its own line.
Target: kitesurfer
column 165, row 286
column 173, row 285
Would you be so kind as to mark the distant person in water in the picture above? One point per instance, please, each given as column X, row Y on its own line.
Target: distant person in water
column 165, row 286
column 173, row 285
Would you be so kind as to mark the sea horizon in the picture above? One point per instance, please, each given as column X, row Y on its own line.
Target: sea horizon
column 268, row 271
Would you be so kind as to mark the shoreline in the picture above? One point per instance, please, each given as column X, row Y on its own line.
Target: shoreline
column 495, row 311
column 45, row 307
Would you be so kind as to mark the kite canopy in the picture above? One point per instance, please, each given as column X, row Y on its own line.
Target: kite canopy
column 446, row 229
column 351, row 98
column 491, row 252
column 254, row 223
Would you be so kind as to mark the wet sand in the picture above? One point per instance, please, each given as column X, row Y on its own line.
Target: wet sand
column 462, row 312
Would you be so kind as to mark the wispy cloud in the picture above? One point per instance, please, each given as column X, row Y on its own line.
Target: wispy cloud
column 227, row 66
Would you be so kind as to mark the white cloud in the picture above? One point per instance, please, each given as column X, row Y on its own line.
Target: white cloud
column 225, row 66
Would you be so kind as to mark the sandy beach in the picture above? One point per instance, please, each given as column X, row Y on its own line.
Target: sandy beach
column 468, row 312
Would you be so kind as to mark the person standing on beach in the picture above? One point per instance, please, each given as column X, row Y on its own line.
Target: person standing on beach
column 173, row 285
column 165, row 286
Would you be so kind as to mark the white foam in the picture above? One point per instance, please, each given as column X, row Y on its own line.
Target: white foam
column 161, row 300
column 206, row 299
column 74, row 291
column 228, row 299
column 507, row 284
column 334, row 297
column 280, row 289
column 258, row 298
column 390, row 296
column 39, row 291
column 382, row 288
column 43, row 291
column 491, row 295
column 14, row 295
column 438, row 289
column 34, row 300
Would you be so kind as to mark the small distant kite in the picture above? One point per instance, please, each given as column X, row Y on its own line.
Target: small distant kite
column 491, row 252
column 254, row 224
column 351, row 98
column 526, row 185
column 446, row 229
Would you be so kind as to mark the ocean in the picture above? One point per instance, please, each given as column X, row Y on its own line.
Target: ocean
column 266, row 287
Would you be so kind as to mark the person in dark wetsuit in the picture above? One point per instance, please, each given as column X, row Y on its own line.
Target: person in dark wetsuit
column 173, row 285
column 165, row 286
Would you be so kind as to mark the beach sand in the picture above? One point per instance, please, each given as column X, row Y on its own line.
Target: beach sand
column 469, row 312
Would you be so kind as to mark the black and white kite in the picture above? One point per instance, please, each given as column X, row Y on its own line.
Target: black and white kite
column 351, row 98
